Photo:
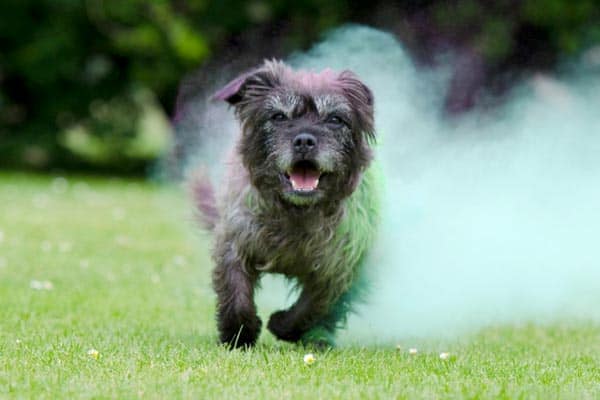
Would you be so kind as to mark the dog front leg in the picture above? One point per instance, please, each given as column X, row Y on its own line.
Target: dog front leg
column 237, row 321
column 292, row 324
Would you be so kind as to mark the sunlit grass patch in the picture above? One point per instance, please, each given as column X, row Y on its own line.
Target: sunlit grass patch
column 105, row 293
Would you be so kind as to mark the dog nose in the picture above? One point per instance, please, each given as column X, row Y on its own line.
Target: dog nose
column 304, row 142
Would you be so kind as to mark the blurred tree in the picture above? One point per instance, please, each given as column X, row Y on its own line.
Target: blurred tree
column 61, row 59
column 80, row 79
column 495, row 42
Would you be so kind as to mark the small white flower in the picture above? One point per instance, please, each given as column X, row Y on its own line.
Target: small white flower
column 118, row 214
column 309, row 359
column 41, row 285
column 185, row 375
column 18, row 341
column 40, row 201
column 65, row 247
column 179, row 260
column 93, row 353
column 413, row 351
column 444, row 356
column 122, row 240
column 60, row 185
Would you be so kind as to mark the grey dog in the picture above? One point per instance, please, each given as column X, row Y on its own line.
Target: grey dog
column 299, row 199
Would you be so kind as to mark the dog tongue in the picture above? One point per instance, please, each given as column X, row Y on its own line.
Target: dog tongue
column 304, row 178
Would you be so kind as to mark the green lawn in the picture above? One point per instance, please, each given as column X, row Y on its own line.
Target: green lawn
column 117, row 266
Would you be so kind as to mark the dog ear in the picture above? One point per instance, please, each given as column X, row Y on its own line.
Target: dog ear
column 231, row 92
column 251, row 84
column 361, row 99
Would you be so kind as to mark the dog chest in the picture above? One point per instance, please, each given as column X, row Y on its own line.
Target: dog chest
column 293, row 250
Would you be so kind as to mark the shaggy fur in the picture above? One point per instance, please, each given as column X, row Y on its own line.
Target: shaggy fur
column 294, row 124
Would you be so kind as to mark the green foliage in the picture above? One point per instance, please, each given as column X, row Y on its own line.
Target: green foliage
column 62, row 61
column 568, row 22
column 119, row 131
column 491, row 25
column 62, row 67
column 60, row 58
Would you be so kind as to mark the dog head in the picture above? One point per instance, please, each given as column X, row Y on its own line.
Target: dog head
column 305, row 136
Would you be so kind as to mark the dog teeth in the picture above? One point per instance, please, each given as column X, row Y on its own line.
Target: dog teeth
column 304, row 189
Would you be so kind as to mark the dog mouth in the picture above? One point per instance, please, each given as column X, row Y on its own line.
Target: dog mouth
column 304, row 176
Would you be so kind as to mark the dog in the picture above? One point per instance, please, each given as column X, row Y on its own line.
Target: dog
column 299, row 199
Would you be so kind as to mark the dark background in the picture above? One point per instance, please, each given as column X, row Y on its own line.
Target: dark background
column 90, row 85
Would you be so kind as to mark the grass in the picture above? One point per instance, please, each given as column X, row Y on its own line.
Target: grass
column 130, row 279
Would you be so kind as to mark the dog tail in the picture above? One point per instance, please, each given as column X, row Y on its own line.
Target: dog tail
column 203, row 197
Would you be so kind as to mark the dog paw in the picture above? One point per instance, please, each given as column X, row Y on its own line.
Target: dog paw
column 318, row 338
column 281, row 325
column 236, row 334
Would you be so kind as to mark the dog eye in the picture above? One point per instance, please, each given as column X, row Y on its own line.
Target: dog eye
column 335, row 120
column 279, row 117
